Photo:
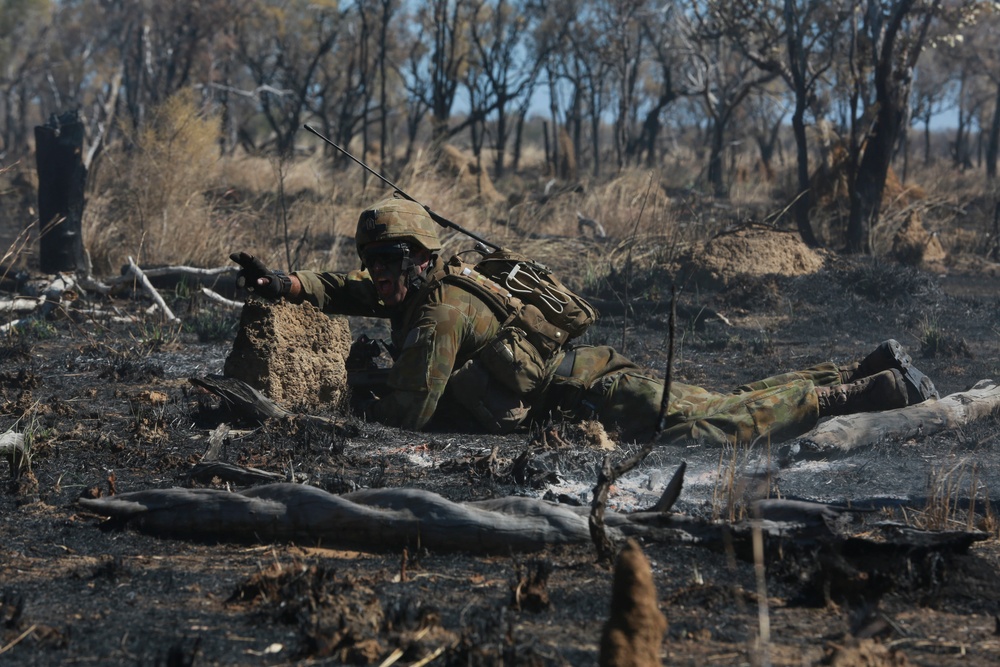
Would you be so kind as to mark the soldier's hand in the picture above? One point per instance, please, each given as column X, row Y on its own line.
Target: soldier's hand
column 256, row 277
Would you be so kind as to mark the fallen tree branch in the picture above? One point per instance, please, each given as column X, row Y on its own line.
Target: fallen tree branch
column 390, row 519
column 21, row 304
column 175, row 272
column 151, row 291
column 61, row 287
column 842, row 435
column 248, row 402
column 206, row 471
column 218, row 298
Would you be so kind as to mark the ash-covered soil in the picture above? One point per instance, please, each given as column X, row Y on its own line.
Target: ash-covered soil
column 109, row 409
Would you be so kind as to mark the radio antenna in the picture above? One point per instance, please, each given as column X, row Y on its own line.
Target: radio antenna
column 441, row 220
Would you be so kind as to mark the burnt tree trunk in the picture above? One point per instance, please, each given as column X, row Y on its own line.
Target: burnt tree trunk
column 61, row 180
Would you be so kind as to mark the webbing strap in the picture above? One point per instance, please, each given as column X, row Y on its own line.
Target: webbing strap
column 565, row 367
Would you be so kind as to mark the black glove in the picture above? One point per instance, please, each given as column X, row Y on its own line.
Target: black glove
column 276, row 285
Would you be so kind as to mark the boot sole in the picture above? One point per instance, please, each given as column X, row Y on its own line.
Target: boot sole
column 919, row 387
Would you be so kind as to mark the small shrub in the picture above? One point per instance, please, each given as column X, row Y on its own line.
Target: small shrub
column 887, row 282
column 937, row 342
column 153, row 206
column 212, row 326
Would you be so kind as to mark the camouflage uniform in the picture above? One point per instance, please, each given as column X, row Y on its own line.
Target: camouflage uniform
column 604, row 385
column 440, row 331
column 434, row 338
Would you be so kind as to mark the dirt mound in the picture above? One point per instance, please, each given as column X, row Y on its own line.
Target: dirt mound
column 634, row 631
column 915, row 246
column 468, row 175
column 753, row 250
column 294, row 354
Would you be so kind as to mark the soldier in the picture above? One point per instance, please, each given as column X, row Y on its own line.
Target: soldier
column 441, row 331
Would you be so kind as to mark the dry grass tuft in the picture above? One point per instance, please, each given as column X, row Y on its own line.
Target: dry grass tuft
column 152, row 194
column 946, row 509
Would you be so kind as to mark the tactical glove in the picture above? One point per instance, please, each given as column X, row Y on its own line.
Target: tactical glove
column 276, row 285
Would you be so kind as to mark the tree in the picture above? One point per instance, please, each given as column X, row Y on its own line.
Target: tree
column 934, row 92
column 446, row 21
column 23, row 40
column 723, row 76
column 662, row 27
column 621, row 22
column 507, row 68
column 798, row 40
column 284, row 47
column 892, row 35
column 582, row 61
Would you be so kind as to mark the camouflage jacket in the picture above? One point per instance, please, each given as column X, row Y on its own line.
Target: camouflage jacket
column 446, row 328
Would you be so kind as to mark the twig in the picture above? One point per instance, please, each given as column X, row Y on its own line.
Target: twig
column 669, row 372
column 19, row 639
column 430, row 658
column 598, row 534
column 218, row 298
column 608, row 475
column 151, row 291
column 628, row 259
column 763, row 613
column 394, row 657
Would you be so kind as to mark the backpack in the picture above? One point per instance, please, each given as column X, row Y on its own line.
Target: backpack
column 538, row 314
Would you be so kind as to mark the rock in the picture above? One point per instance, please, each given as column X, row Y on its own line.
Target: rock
column 634, row 630
column 294, row 354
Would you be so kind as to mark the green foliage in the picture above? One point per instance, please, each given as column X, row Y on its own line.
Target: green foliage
column 35, row 329
column 155, row 334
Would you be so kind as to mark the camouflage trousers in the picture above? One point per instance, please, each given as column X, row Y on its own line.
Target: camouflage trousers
column 606, row 386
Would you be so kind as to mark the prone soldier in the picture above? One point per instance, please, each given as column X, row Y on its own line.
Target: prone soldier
column 446, row 334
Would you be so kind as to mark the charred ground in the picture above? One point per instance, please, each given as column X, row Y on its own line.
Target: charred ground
column 109, row 409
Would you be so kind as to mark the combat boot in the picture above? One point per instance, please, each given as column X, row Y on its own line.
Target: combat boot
column 890, row 354
column 882, row 391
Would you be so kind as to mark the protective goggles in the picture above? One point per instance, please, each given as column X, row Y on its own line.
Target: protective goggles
column 388, row 254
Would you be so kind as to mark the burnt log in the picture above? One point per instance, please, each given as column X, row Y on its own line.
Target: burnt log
column 386, row 519
column 843, row 435
column 61, row 180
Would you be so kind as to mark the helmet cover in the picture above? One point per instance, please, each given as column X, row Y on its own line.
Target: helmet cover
column 397, row 219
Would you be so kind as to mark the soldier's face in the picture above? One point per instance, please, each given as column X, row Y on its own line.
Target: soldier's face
column 385, row 266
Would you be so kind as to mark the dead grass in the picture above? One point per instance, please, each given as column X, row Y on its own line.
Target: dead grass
column 168, row 198
column 954, row 494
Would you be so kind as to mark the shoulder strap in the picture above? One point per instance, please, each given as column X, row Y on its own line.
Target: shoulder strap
column 505, row 306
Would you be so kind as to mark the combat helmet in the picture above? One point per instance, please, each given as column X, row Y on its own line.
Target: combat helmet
column 397, row 219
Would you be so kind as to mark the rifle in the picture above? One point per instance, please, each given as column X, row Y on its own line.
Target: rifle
column 362, row 370
column 440, row 219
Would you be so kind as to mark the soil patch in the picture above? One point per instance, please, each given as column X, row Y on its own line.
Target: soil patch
column 110, row 410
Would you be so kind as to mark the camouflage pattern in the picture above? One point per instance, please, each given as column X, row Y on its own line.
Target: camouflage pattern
column 434, row 338
column 445, row 327
column 605, row 386
column 397, row 219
